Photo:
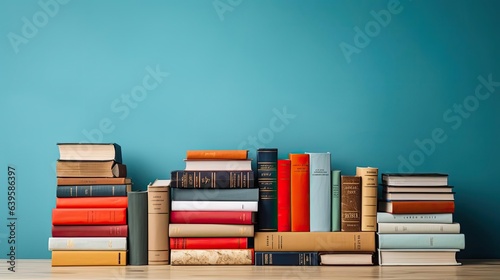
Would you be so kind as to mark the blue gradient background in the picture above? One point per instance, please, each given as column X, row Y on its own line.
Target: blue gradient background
column 229, row 77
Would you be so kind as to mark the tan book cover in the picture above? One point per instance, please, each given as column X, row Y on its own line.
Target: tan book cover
column 73, row 181
column 90, row 258
column 369, row 184
column 210, row 230
column 158, row 219
column 213, row 257
column 315, row 241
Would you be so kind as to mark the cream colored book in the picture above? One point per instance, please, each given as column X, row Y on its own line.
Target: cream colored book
column 210, row 230
column 212, row 257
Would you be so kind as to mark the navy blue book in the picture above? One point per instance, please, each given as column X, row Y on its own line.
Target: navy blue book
column 267, row 163
column 93, row 190
column 287, row 258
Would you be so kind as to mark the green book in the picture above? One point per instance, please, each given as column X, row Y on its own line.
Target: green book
column 137, row 214
column 335, row 200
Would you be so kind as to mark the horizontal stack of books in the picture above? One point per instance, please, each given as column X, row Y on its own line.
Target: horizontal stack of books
column 415, row 222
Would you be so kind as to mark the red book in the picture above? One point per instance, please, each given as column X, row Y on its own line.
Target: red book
column 89, row 216
column 90, row 231
column 209, row 243
column 417, row 207
column 284, row 195
column 299, row 192
column 92, row 202
column 212, row 217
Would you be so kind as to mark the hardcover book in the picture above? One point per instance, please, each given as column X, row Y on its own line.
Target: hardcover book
column 425, row 257
column 287, row 258
column 210, row 230
column 90, row 231
column 213, row 257
column 211, row 242
column 336, row 200
column 267, row 161
column 221, row 179
column 215, row 194
column 284, row 199
column 89, row 216
column 402, row 228
column 213, row 217
column 415, row 179
column 92, row 202
column 90, row 151
column 93, row 190
column 218, row 165
column 217, row 154
column 89, row 258
column 421, row 241
column 87, row 243
column 71, row 168
column 320, row 197
column 369, row 185
column 350, row 203
column 418, row 206
column 299, row 192
column 251, row 206
column 138, row 228
column 70, row 181
column 445, row 218
column 158, row 219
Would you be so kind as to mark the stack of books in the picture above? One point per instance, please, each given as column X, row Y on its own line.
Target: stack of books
column 415, row 222
column 89, row 222
column 214, row 204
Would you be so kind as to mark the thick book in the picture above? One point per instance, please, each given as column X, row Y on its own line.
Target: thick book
column 266, row 177
column 384, row 217
column 89, row 258
column 315, row 241
column 72, row 168
column 158, row 219
column 418, row 228
column 416, row 189
column 369, row 186
column 210, row 230
column 93, row 190
column 90, row 151
column 350, row 203
column 217, row 154
column 418, row 206
column 215, row 194
column 211, row 242
column 90, row 231
column 346, row 258
column 88, row 243
column 284, row 200
column 218, row 164
column 287, row 258
column 417, row 196
column 299, row 192
column 89, row 216
column 421, row 241
column 214, row 206
column 138, row 228
column 414, row 257
column 213, row 217
column 208, row 179
column 415, row 179
column 320, row 192
column 71, row 181
column 212, row 257
column 336, row 200
column 92, row 202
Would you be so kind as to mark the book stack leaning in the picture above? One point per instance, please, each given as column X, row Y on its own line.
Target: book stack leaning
column 89, row 221
column 415, row 221
column 214, row 203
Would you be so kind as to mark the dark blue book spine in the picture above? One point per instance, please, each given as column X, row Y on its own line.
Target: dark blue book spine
column 212, row 179
column 267, row 163
column 287, row 258
column 92, row 191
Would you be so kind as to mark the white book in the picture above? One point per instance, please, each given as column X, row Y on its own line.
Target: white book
column 427, row 257
column 200, row 205
column 216, row 165
column 444, row 218
column 87, row 243
column 320, row 198
column 418, row 228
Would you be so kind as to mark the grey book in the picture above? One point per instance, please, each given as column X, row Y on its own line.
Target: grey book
column 138, row 227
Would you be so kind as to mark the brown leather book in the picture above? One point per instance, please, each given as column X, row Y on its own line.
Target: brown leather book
column 350, row 203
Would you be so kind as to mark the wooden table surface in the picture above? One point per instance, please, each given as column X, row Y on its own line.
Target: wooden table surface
column 41, row 269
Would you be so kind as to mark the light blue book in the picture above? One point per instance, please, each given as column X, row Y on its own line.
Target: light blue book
column 320, row 192
column 421, row 241
column 442, row 218
column 336, row 200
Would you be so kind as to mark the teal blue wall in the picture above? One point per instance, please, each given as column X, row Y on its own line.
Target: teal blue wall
column 296, row 75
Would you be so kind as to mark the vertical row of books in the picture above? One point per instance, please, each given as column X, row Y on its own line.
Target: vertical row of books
column 214, row 204
column 415, row 222
column 301, row 220
column 89, row 221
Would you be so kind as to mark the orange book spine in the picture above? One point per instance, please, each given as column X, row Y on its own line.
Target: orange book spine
column 89, row 216
column 217, row 154
column 92, row 202
column 423, row 207
column 299, row 192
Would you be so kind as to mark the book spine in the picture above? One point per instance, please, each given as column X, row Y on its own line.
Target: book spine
column 88, row 244
column 92, row 202
column 212, row 257
column 320, row 192
column 418, row 228
column 210, row 230
column 299, row 192
column 284, row 199
column 89, row 216
column 336, row 200
column 89, row 258
column 215, row 194
column 92, row 190
column 211, row 179
column 445, row 218
column 158, row 220
column 350, row 196
column 315, row 241
column 92, row 181
column 267, row 161
column 287, row 258
column 421, row 241
column 369, row 184
column 251, row 206
column 213, row 217
column 209, row 243
column 217, row 154
column 422, row 207
column 138, row 227
column 90, row 231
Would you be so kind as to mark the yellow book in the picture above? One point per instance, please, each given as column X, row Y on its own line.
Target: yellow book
column 83, row 258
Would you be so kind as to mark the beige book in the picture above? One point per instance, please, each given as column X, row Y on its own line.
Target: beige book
column 210, row 230
column 213, row 257
column 369, row 184
column 158, row 219
column 90, row 258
